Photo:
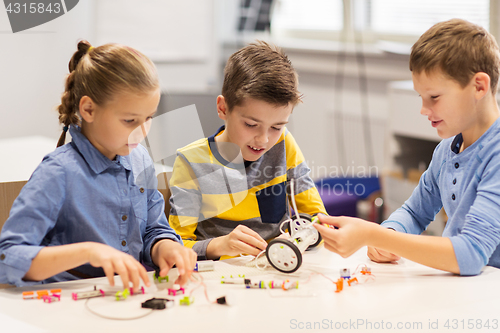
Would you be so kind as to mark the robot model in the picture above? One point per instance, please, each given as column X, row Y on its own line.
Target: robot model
column 285, row 255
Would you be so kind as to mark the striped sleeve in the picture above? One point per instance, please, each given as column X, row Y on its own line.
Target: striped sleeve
column 306, row 194
column 185, row 201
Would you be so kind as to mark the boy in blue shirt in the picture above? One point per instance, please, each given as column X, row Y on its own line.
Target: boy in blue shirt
column 455, row 70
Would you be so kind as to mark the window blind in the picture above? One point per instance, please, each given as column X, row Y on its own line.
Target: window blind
column 414, row 17
column 383, row 17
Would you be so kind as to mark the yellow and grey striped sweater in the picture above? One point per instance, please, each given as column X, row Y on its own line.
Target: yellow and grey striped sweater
column 211, row 196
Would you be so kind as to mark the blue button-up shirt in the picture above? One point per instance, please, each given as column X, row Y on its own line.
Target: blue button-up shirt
column 76, row 195
column 467, row 185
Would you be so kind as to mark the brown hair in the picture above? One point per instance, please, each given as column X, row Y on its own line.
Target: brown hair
column 260, row 71
column 460, row 49
column 100, row 73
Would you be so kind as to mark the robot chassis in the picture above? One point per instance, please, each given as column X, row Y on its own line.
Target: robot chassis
column 285, row 255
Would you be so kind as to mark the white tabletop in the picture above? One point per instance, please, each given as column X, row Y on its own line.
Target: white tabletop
column 21, row 155
column 406, row 295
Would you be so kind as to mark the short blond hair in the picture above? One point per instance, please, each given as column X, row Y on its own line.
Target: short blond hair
column 262, row 72
column 458, row 48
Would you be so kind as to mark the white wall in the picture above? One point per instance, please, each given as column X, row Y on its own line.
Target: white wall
column 179, row 36
column 33, row 65
column 330, row 120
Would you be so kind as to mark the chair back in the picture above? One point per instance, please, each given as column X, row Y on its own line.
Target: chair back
column 8, row 193
column 163, row 179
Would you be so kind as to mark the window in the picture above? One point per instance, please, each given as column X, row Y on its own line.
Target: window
column 375, row 19
column 414, row 17
column 308, row 15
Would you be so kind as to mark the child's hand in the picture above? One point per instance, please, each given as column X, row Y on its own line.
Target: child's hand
column 284, row 236
column 241, row 240
column 114, row 261
column 167, row 253
column 351, row 235
column 378, row 255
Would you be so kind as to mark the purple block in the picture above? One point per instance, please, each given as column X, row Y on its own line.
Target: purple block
column 339, row 204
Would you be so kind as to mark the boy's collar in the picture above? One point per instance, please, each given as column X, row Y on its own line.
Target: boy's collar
column 215, row 151
column 458, row 140
column 219, row 131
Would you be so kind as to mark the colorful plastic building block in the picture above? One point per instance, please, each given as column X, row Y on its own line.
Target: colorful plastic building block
column 161, row 279
column 204, row 266
column 352, row 280
column 122, row 295
column 238, row 280
column 259, row 284
column 287, row 284
column 176, row 291
column 51, row 298
column 366, row 270
column 29, row 295
column 345, row 273
column 163, row 282
column 87, row 294
column 41, row 293
column 139, row 291
column 157, row 303
column 186, row 300
column 340, row 285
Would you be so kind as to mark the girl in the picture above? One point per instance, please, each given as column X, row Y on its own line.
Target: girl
column 91, row 208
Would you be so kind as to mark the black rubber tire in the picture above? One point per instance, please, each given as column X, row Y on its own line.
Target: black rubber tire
column 290, row 245
column 317, row 242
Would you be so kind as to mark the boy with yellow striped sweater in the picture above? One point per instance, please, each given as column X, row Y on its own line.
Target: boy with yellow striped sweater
column 229, row 191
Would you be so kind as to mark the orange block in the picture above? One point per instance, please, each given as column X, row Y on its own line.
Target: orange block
column 351, row 281
column 340, row 285
column 41, row 293
column 29, row 295
column 366, row 271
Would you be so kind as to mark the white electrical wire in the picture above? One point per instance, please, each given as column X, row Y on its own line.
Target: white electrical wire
column 283, row 223
column 114, row 318
column 303, row 222
column 257, row 263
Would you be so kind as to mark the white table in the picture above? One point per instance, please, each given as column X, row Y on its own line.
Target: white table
column 407, row 295
column 20, row 156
